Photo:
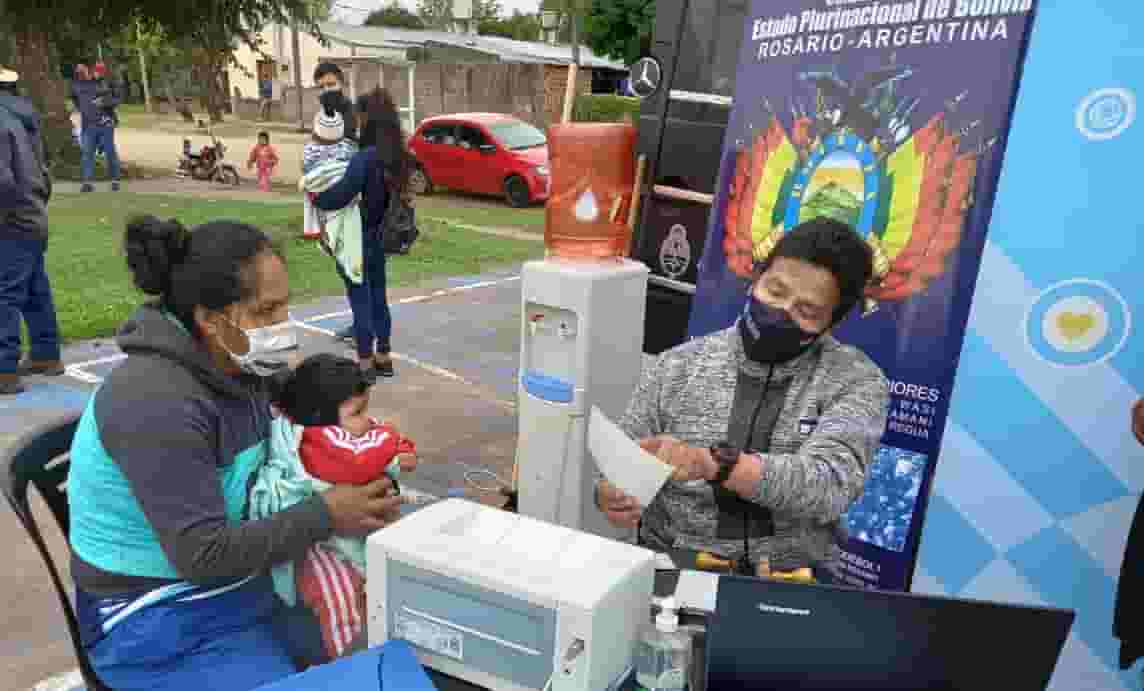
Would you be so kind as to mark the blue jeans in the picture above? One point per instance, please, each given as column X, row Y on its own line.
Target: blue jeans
column 25, row 292
column 95, row 138
column 368, row 301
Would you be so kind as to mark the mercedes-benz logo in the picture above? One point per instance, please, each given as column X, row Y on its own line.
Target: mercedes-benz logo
column 646, row 76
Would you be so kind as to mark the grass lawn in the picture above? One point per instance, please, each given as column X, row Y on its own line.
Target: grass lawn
column 488, row 214
column 93, row 290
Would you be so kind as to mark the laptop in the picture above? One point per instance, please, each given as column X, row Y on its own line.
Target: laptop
column 776, row 636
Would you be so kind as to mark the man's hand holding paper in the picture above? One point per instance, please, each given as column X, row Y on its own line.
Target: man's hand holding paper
column 636, row 472
column 690, row 463
column 627, row 466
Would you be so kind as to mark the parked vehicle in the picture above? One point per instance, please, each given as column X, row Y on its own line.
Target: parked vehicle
column 208, row 164
column 695, row 48
column 484, row 153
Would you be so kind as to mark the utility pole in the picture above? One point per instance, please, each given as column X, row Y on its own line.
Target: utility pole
column 574, row 17
column 294, row 40
column 143, row 66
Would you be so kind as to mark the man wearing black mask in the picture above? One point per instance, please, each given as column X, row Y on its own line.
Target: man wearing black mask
column 330, row 78
column 771, row 424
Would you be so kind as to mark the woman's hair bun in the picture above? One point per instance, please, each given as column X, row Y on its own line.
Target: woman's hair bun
column 154, row 248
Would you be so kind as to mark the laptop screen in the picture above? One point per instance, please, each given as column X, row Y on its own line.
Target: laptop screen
column 774, row 636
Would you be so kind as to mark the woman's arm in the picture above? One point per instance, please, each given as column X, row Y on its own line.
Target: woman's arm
column 351, row 185
column 167, row 449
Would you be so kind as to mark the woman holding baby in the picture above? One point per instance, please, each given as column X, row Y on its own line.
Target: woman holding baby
column 172, row 576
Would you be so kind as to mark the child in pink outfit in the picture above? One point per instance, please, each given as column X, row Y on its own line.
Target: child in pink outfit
column 266, row 158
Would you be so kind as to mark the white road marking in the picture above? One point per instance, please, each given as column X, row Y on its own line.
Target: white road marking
column 433, row 369
column 64, row 682
column 78, row 370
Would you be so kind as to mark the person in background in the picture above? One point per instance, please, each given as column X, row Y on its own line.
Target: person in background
column 265, row 158
column 96, row 100
column 25, row 291
column 1128, row 620
column 770, row 424
column 381, row 168
column 330, row 79
column 265, row 98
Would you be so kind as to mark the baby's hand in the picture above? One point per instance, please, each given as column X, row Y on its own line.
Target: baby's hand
column 408, row 462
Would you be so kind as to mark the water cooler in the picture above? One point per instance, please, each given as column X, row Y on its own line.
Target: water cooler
column 581, row 346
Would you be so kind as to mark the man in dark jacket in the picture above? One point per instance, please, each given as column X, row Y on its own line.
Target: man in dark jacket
column 24, row 289
column 96, row 100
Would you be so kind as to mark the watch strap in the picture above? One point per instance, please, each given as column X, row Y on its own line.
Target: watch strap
column 726, row 457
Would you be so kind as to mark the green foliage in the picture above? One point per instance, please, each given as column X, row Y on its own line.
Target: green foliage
column 396, row 16
column 564, row 27
column 520, row 26
column 605, row 108
column 438, row 14
column 620, row 29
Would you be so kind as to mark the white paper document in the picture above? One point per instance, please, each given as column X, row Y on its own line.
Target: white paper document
column 635, row 471
column 697, row 590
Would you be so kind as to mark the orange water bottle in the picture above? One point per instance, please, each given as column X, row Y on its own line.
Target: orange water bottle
column 593, row 173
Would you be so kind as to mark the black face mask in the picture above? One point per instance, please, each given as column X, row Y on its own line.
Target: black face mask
column 770, row 335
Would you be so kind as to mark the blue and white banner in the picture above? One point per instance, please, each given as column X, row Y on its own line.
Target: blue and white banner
column 1040, row 473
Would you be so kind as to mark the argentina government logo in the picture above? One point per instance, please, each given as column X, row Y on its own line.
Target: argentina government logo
column 1106, row 113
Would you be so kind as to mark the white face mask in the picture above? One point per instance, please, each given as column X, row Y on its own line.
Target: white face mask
column 272, row 349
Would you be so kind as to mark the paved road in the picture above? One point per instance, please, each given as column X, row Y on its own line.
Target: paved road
column 457, row 341
column 160, row 150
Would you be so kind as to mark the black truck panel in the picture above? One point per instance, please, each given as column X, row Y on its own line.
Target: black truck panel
column 697, row 45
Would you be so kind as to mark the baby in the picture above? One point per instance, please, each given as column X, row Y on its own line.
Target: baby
column 265, row 158
column 329, row 145
column 325, row 437
column 325, row 161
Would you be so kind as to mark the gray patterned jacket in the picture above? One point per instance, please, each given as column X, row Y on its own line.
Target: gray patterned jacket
column 824, row 439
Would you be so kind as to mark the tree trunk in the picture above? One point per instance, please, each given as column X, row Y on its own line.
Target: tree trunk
column 208, row 73
column 143, row 69
column 34, row 61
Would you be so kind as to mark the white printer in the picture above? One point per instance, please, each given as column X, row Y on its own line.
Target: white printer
column 508, row 602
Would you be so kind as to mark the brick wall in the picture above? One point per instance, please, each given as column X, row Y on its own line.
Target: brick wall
column 502, row 88
column 534, row 93
column 555, row 84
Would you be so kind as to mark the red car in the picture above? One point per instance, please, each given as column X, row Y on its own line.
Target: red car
column 483, row 153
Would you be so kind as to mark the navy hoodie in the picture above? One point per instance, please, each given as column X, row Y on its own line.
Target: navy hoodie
column 25, row 186
column 96, row 100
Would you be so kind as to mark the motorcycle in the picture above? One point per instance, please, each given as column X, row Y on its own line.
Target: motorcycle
column 208, row 164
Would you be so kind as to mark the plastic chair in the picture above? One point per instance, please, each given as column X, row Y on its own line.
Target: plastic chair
column 40, row 457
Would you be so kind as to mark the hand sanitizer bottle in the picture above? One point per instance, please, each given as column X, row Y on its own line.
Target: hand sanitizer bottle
column 663, row 655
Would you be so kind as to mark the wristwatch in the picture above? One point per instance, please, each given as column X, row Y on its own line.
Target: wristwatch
column 726, row 457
